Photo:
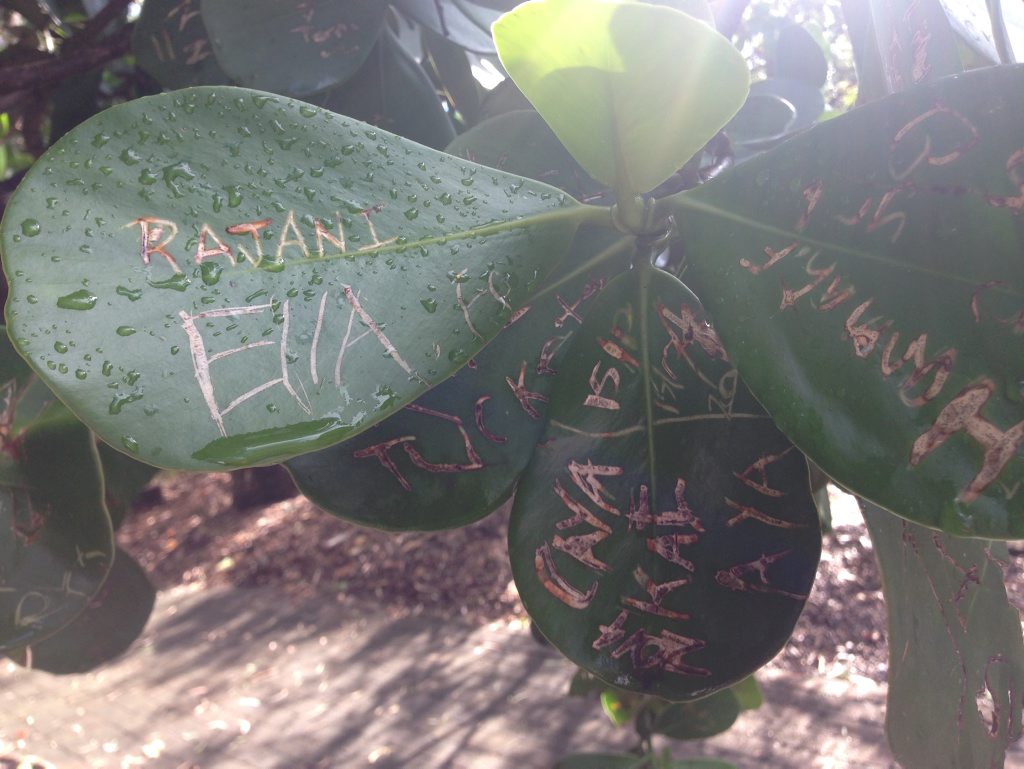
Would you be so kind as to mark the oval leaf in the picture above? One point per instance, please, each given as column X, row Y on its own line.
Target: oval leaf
column 602, row 75
column 296, row 47
column 866, row 278
column 952, row 635
column 56, row 539
column 453, row 456
column 392, row 92
column 700, row 719
column 103, row 631
column 222, row 277
column 170, row 44
column 662, row 516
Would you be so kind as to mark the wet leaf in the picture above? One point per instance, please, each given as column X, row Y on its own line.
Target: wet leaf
column 171, row 45
column 872, row 299
column 454, row 455
column 956, row 657
column 623, row 85
column 103, row 631
column 222, row 277
column 56, row 540
column 295, row 47
column 662, row 517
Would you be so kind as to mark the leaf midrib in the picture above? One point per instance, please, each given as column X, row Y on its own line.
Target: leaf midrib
column 682, row 201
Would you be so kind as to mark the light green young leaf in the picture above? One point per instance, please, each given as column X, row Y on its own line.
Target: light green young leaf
column 632, row 90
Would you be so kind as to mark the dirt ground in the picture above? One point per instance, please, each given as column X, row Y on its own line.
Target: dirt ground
column 185, row 531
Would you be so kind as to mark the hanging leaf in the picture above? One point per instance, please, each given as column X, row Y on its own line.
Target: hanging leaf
column 171, row 44
column 953, row 636
column 467, row 24
column 392, row 92
column 294, row 47
column 103, row 631
column 454, row 455
column 872, row 300
column 663, row 535
column 123, row 479
column 623, row 85
column 221, row 277
column 699, row 719
column 56, row 540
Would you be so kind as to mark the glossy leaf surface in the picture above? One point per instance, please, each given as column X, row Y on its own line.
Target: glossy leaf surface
column 454, row 455
column 663, row 536
column 56, row 540
column 623, row 85
column 392, row 92
column 956, row 660
column 171, row 44
column 297, row 47
column 103, row 631
column 221, row 277
column 872, row 299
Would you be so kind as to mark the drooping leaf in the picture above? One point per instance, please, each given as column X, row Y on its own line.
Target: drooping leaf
column 221, row 277
column 171, row 44
column 872, row 299
column 56, row 540
column 627, row 87
column 916, row 41
column 467, row 24
column 699, row 719
column 103, row 631
column 956, row 657
column 454, row 455
column 123, row 479
column 295, row 47
column 662, row 517
column 391, row 91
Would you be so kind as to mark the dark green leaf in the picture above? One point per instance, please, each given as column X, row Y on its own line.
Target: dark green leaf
column 123, row 479
column 221, row 277
column 294, row 47
column 454, row 76
column 103, row 631
column 460, row 448
column 916, row 41
column 56, row 540
column 663, row 518
column 872, row 298
column 796, row 55
column 391, row 91
column 701, row 718
column 467, row 24
column 170, row 43
column 956, row 657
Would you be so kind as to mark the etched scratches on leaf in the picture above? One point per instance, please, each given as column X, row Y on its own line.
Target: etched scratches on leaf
column 729, row 528
column 895, row 285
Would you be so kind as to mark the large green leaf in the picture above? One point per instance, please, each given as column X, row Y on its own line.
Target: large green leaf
column 103, row 631
column 56, row 540
column 297, row 47
column 454, row 455
column 663, row 535
column 956, row 657
column 866, row 278
column 916, row 41
column 222, row 277
column 464, row 22
column 632, row 90
column 170, row 43
column 392, row 92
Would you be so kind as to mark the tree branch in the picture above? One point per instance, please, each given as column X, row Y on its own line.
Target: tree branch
column 69, row 61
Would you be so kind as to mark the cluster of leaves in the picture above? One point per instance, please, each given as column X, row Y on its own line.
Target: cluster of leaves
column 223, row 277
